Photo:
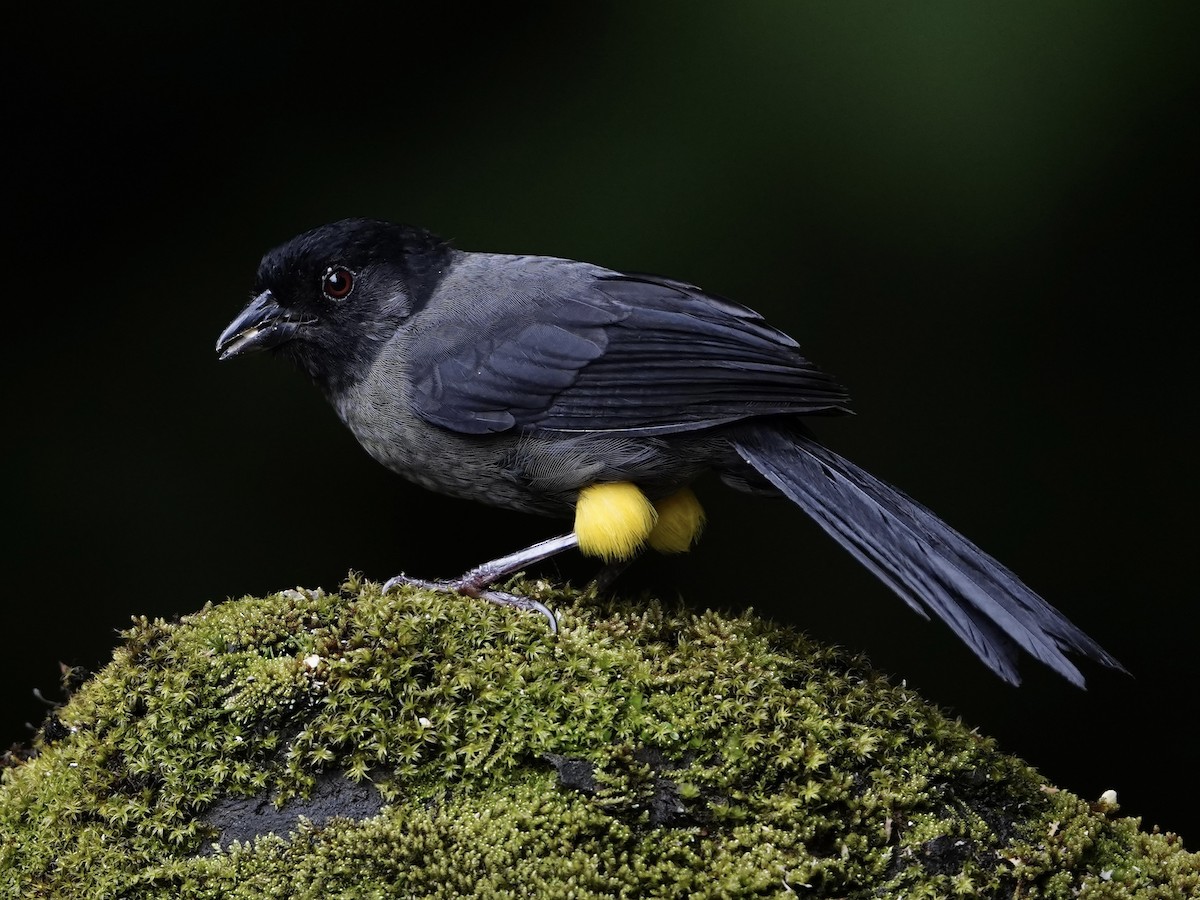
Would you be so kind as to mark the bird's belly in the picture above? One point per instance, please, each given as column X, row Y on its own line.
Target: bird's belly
column 539, row 472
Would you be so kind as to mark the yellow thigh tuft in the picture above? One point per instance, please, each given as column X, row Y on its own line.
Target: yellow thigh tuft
column 680, row 521
column 613, row 520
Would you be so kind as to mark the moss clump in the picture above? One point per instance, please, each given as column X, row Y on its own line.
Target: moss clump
column 423, row 745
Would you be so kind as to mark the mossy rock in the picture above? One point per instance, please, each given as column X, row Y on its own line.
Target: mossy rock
column 425, row 745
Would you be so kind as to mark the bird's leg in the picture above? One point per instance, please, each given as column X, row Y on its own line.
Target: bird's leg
column 490, row 572
column 610, row 573
column 474, row 582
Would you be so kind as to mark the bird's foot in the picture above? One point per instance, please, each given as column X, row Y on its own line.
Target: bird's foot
column 471, row 585
column 475, row 582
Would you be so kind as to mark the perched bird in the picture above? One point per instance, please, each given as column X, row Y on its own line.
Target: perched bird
column 562, row 388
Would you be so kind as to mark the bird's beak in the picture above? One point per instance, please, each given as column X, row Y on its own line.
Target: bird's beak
column 261, row 325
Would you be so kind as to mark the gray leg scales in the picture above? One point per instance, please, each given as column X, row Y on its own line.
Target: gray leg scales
column 475, row 582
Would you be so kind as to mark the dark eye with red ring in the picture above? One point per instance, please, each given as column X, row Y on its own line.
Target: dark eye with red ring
column 337, row 283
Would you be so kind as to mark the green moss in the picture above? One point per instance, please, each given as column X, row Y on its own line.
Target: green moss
column 433, row 746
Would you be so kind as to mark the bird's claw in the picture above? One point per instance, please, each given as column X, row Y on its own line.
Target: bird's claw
column 471, row 587
column 399, row 580
column 528, row 604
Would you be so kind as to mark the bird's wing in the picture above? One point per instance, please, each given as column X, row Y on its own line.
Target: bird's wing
column 615, row 353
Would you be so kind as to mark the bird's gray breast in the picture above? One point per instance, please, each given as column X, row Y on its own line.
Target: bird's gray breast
column 378, row 411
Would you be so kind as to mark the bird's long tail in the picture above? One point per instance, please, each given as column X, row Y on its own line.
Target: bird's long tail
column 926, row 562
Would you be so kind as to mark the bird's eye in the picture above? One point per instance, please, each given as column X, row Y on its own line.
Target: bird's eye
column 337, row 283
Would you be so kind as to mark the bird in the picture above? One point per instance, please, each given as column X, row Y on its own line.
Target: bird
column 567, row 389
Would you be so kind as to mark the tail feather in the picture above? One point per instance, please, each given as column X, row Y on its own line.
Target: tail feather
column 926, row 562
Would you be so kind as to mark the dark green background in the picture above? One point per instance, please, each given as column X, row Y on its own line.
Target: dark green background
column 980, row 217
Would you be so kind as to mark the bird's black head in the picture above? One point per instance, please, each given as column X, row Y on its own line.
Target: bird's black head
column 332, row 297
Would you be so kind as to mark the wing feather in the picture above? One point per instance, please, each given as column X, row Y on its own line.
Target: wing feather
column 568, row 347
